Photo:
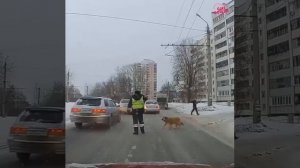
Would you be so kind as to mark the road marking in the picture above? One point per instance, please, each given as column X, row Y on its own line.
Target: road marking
column 130, row 155
column 126, row 160
column 133, row 147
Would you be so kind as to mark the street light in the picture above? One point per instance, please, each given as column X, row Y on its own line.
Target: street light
column 209, row 99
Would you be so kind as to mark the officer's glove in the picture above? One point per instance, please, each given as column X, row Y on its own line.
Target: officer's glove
column 129, row 110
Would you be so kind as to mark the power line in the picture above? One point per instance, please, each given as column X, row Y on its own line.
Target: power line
column 128, row 19
column 195, row 19
column 183, row 2
column 186, row 18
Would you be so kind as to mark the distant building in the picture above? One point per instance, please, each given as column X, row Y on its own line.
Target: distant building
column 145, row 78
column 150, row 82
column 222, row 41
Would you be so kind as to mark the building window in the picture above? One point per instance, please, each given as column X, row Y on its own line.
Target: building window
column 296, row 60
column 284, row 82
column 278, row 48
column 296, row 42
column 219, row 27
column 297, row 98
column 229, row 20
column 231, row 50
column 276, row 15
column 221, row 54
column 297, row 80
column 222, row 64
column 218, row 18
column 277, row 31
column 231, row 70
column 221, row 35
column 222, row 44
column 279, row 65
column 222, row 73
column 295, row 23
column 263, row 94
column 262, row 81
column 281, row 100
column 222, row 83
column 271, row 2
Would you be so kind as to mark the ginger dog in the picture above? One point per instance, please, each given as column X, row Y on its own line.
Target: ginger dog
column 172, row 121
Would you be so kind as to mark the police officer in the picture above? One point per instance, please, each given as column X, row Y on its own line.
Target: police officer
column 136, row 107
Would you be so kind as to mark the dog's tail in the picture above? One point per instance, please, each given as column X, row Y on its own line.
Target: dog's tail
column 181, row 123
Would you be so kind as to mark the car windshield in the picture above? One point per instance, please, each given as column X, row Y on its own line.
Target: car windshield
column 151, row 102
column 89, row 102
column 42, row 116
column 124, row 101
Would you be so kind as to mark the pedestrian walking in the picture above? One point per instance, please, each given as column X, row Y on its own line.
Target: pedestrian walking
column 136, row 107
column 194, row 107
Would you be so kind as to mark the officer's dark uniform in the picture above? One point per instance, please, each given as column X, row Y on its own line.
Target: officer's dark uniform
column 136, row 103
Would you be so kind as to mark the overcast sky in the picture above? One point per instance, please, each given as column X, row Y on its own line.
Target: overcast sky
column 96, row 46
column 32, row 35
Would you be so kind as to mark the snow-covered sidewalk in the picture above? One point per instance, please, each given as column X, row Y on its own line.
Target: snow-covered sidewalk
column 271, row 143
column 217, row 120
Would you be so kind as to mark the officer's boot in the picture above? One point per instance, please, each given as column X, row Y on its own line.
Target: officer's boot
column 142, row 130
column 136, row 131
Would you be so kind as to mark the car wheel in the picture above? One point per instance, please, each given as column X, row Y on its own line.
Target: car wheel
column 23, row 157
column 78, row 125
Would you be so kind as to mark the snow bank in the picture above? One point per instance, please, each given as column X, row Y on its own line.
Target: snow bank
column 203, row 109
column 269, row 126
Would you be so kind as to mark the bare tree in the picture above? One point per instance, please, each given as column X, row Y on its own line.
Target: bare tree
column 186, row 69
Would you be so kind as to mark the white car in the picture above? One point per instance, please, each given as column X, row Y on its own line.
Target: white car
column 124, row 105
column 151, row 106
column 94, row 110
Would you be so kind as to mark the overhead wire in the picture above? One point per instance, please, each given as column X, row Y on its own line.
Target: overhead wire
column 186, row 19
column 128, row 19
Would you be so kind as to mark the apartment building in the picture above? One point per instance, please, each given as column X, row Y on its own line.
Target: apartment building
column 279, row 32
column 202, row 76
column 150, row 78
column 222, row 41
column 244, row 56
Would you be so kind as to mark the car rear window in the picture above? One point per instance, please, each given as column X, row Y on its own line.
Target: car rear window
column 125, row 101
column 89, row 102
column 151, row 102
column 42, row 116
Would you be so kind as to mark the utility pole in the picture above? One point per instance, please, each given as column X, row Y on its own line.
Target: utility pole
column 256, row 67
column 39, row 95
column 87, row 90
column 4, row 88
column 209, row 83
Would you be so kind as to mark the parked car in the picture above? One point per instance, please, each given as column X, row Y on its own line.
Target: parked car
column 123, row 105
column 38, row 130
column 151, row 106
column 94, row 110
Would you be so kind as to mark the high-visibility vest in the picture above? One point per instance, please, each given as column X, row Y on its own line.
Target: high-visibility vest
column 138, row 104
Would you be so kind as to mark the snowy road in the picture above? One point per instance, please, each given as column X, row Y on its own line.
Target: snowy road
column 193, row 143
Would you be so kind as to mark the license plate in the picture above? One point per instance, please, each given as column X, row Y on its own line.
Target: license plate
column 37, row 132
